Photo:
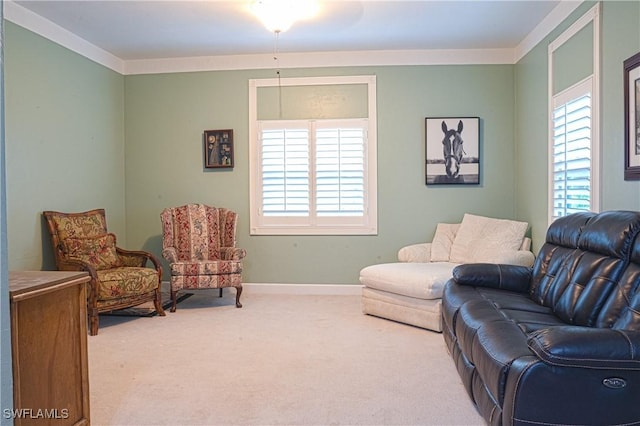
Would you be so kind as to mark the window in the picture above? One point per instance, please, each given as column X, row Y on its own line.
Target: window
column 574, row 143
column 314, row 176
column 572, row 183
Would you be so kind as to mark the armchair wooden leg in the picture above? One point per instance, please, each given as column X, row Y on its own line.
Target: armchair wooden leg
column 157, row 302
column 238, row 293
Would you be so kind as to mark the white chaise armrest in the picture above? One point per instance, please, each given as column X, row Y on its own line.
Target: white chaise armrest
column 419, row 253
column 526, row 244
column 515, row 257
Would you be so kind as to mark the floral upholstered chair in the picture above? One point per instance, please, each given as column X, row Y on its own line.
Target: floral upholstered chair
column 119, row 278
column 199, row 242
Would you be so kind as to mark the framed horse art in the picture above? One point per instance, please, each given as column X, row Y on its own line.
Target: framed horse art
column 452, row 150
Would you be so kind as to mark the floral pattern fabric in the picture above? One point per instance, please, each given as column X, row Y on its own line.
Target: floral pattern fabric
column 210, row 267
column 80, row 226
column 194, row 232
column 205, row 281
column 199, row 243
column 119, row 278
column 127, row 281
column 100, row 251
column 232, row 253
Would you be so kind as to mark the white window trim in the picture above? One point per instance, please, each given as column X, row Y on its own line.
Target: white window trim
column 593, row 15
column 370, row 227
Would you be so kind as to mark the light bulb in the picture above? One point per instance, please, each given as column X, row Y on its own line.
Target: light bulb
column 279, row 15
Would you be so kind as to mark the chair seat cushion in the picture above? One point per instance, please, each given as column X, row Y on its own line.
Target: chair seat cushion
column 206, row 267
column 192, row 282
column 419, row 280
column 126, row 281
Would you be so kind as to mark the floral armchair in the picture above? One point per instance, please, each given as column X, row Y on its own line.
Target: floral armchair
column 199, row 242
column 119, row 278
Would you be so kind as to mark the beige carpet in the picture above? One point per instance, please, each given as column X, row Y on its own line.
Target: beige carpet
column 148, row 309
column 280, row 360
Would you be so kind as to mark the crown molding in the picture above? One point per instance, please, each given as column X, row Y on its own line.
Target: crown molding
column 320, row 60
column 33, row 22
column 45, row 28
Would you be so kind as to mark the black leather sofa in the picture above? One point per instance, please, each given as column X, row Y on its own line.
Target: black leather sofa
column 557, row 343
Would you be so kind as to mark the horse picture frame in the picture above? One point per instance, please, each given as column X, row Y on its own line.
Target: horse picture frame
column 632, row 118
column 452, row 150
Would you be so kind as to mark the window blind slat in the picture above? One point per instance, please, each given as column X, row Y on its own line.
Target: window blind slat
column 572, row 157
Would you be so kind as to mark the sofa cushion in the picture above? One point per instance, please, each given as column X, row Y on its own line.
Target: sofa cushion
column 577, row 282
column 498, row 345
column 419, row 280
column 480, row 239
column 442, row 241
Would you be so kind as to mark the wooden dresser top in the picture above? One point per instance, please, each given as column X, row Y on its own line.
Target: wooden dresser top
column 21, row 282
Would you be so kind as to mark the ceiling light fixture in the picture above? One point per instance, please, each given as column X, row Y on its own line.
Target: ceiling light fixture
column 279, row 15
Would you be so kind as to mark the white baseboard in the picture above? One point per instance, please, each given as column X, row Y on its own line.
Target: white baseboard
column 298, row 289
column 304, row 289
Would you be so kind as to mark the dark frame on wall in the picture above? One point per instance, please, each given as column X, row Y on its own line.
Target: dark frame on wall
column 218, row 149
column 632, row 118
column 452, row 150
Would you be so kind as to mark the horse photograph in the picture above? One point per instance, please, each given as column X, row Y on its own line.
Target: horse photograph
column 452, row 150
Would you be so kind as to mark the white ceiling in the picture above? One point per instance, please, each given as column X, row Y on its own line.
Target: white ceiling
column 151, row 30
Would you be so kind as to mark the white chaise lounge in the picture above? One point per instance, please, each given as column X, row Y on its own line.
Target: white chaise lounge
column 410, row 291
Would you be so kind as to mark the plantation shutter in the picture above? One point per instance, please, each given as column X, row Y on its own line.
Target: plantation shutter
column 340, row 171
column 285, row 172
column 572, row 156
column 313, row 169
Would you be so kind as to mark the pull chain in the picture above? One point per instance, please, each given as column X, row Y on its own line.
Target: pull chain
column 275, row 58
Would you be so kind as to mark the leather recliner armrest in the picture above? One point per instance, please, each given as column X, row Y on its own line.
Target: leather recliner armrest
column 504, row 277
column 587, row 347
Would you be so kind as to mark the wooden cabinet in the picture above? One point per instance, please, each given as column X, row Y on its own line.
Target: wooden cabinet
column 49, row 347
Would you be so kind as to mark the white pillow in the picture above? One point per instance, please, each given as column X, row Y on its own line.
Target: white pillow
column 442, row 241
column 481, row 239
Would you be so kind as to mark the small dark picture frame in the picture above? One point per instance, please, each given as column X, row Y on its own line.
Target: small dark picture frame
column 218, row 149
column 452, row 150
column 632, row 118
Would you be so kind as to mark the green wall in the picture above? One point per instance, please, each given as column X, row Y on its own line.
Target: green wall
column 80, row 136
column 6, row 368
column 64, row 142
column 166, row 115
column 620, row 39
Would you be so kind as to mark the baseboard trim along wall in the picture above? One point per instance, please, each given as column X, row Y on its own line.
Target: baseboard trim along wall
column 299, row 289
column 304, row 289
